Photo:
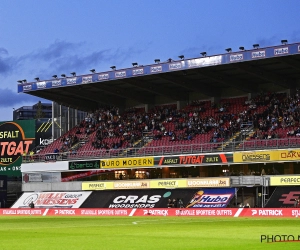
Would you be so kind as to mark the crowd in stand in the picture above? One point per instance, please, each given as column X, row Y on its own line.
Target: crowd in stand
column 278, row 111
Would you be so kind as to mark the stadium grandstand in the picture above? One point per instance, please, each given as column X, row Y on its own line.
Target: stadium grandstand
column 233, row 116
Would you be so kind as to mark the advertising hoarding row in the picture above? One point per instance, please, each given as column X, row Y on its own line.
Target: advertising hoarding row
column 201, row 212
column 162, row 183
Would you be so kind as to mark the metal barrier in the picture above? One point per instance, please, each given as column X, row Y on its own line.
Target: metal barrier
column 172, row 150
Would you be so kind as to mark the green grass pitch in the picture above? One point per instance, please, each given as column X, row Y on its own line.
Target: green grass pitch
column 144, row 233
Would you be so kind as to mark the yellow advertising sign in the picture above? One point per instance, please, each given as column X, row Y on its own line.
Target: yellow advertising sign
column 169, row 183
column 208, row 182
column 127, row 162
column 255, row 156
column 288, row 180
column 131, row 184
column 100, row 185
column 289, row 155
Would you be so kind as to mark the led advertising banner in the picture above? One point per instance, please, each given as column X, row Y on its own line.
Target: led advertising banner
column 15, row 138
column 160, row 198
column 52, row 199
column 196, row 159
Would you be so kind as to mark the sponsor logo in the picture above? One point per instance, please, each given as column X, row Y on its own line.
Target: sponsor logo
column 135, row 201
column 165, row 184
column 52, row 199
column 87, row 79
column 256, row 157
column 102, row 77
column 285, row 181
column 267, row 212
column 155, row 69
column 100, row 185
column 298, row 48
column 27, row 87
column 191, row 159
column 127, row 162
column 64, row 212
column 84, row 165
column 236, row 57
column 131, row 185
column 207, row 182
column 174, row 66
column 56, row 83
column 51, row 157
column 290, row 155
column 71, row 81
column 289, row 199
column 258, row 54
column 120, row 74
column 12, row 143
column 137, row 72
column 155, row 212
column 41, row 85
column 46, row 142
column 281, row 51
column 209, row 200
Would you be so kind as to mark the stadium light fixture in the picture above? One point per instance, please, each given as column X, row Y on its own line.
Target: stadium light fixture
column 228, row 50
column 73, row 73
column 37, row 79
column 203, row 54
column 284, row 42
column 63, row 75
column 93, row 71
column 113, row 67
column 256, row 46
column 157, row 60
column 24, row 81
column 135, row 64
column 20, row 81
column 181, row 57
column 54, row 76
column 241, row 48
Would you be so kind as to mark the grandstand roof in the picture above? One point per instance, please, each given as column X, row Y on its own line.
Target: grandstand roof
column 230, row 74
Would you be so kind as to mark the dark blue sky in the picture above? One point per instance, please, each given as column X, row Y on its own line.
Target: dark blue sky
column 42, row 38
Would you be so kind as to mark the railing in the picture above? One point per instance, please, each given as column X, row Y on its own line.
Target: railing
column 170, row 150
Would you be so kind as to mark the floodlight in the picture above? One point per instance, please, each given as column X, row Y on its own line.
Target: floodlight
column 203, row 54
column 37, row 79
column 241, row 48
column 284, row 41
column 54, row 76
column 135, row 64
column 256, row 46
column 93, row 70
column 73, row 73
column 63, row 75
column 113, row 67
column 157, row 60
column 181, row 57
column 228, row 50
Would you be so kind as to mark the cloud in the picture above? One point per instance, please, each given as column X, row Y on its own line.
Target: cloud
column 5, row 62
column 12, row 98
